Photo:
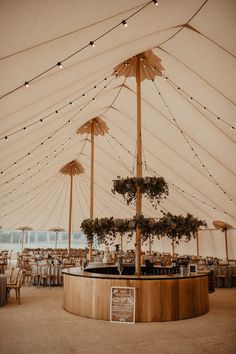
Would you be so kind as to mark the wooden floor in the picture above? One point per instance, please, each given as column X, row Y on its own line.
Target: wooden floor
column 40, row 325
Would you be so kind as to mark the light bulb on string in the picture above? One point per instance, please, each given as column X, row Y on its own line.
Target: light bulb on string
column 156, row 2
column 59, row 64
column 92, row 44
column 26, row 84
column 124, row 23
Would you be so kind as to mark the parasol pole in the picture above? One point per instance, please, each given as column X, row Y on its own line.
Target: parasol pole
column 70, row 213
column 150, row 244
column 139, row 169
column 226, row 245
column 91, row 184
column 22, row 240
column 56, row 241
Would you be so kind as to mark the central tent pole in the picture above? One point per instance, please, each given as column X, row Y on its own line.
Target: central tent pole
column 197, row 244
column 91, row 184
column 226, row 245
column 150, row 244
column 139, row 169
column 70, row 214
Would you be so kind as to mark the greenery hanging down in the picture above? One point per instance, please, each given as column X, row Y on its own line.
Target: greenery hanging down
column 154, row 188
column 175, row 227
column 106, row 229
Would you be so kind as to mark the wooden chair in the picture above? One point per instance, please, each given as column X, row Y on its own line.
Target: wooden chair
column 16, row 286
column 222, row 276
column 233, row 275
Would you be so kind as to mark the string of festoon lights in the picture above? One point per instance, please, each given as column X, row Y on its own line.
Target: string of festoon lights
column 58, row 110
column 19, row 208
column 39, row 206
column 42, row 169
column 110, row 205
column 118, row 156
column 144, row 164
column 192, row 100
column 86, row 190
column 29, row 192
column 64, row 188
column 79, row 198
column 35, row 188
column 49, row 187
column 92, row 43
column 174, row 186
column 113, row 196
column 42, row 143
column 39, row 164
column 196, row 155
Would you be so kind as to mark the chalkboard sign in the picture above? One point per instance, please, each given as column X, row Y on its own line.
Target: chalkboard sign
column 192, row 268
column 122, row 304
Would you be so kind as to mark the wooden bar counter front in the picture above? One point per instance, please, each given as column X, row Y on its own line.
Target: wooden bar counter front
column 158, row 298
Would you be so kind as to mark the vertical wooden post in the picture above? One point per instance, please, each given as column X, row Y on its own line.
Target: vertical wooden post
column 150, row 244
column 22, row 240
column 173, row 248
column 139, row 168
column 226, row 245
column 121, row 243
column 56, row 240
column 197, row 244
column 91, row 184
column 70, row 214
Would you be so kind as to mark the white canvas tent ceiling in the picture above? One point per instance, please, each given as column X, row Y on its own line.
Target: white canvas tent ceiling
column 188, row 129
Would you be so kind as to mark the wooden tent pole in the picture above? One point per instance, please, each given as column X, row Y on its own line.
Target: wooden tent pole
column 139, row 169
column 70, row 214
column 173, row 247
column 121, row 243
column 226, row 245
column 197, row 244
column 150, row 244
column 91, row 184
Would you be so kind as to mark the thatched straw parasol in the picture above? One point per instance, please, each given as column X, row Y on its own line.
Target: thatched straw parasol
column 223, row 226
column 56, row 230
column 23, row 229
column 71, row 169
column 96, row 126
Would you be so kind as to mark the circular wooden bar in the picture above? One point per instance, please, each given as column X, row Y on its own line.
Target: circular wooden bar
column 158, row 298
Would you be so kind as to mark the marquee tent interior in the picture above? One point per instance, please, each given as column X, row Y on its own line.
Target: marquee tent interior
column 57, row 61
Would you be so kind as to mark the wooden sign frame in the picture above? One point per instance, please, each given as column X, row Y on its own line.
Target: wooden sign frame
column 122, row 304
